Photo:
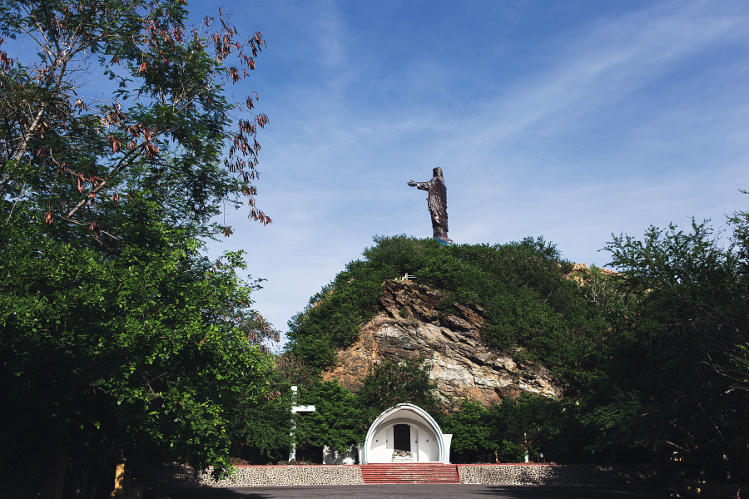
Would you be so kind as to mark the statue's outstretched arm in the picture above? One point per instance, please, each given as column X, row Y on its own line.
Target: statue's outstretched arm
column 424, row 186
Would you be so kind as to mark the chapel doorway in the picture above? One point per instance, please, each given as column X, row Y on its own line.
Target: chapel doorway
column 402, row 437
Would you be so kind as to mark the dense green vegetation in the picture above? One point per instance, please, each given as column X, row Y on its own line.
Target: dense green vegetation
column 396, row 382
column 119, row 341
column 522, row 286
column 104, row 358
column 530, row 424
column 677, row 379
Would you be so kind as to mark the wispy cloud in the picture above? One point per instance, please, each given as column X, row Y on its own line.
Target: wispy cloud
column 614, row 123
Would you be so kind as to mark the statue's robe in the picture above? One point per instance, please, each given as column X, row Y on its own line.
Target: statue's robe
column 437, row 203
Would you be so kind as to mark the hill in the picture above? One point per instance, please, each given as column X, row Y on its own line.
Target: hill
column 408, row 326
column 491, row 321
column 652, row 361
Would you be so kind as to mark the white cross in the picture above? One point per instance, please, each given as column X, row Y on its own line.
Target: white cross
column 294, row 410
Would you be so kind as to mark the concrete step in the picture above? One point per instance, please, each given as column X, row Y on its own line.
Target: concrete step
column 410, row 473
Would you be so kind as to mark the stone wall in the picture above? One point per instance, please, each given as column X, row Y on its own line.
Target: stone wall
column 651, row 476
column 264, row 476
column 570, row 474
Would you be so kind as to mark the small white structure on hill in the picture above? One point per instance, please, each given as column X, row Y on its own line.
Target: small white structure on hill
column 406, row 433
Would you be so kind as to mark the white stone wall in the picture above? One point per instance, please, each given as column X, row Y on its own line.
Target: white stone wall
column 571, row 474
column 265, row 476
column 499, row 474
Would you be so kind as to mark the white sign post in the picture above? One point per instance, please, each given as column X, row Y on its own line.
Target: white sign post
column 294, row 410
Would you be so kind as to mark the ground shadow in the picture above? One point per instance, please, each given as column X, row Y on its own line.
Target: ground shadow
column 567, row 492
column 216, row 493
column 411, row 491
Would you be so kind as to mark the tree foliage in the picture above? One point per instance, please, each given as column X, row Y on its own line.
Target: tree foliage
column 262, row 432
column 528, row 425
column 394, row 382
column 337, row 420
column 160, row 134
column 677, row 380
column 139, row 357
column 119, row 340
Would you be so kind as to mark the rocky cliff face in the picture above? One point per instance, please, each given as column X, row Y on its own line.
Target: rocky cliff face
column 409, row 326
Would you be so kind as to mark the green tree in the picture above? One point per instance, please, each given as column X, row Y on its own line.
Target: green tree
column 334, row 315
column 336, row 420
column 119, row 340
column 394, row 382
column 677, row 380
column 474, row 433
column 262, row 431
column 506, row 431
column 125, row 358
column 159, row 135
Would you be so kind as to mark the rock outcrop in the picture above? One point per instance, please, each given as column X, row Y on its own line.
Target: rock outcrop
column 409, row 326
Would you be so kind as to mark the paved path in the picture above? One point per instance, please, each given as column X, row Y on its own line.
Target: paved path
column 416, row 492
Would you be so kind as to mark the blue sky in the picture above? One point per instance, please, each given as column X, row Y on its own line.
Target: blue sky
column 570, row 120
